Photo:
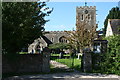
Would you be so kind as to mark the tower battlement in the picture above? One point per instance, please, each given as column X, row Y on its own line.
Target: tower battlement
column 55, row 31
column 86, row 7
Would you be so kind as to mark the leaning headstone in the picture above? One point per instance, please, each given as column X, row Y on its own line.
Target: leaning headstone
column 79, row 55
column 61, row 55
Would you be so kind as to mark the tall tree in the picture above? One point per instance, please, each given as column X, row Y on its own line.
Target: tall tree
column 59, row 46
column 82, row 37
column 114, row 13
column 22, row 22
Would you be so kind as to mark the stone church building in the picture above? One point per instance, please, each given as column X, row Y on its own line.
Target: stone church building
column 83, row 13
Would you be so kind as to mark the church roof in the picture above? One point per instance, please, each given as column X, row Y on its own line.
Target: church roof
column 115, row 25
column 46, row 40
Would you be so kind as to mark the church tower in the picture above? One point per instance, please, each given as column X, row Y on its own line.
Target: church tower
column 86, row 14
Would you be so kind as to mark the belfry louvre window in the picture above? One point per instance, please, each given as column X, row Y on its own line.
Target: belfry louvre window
column 89, row 17
column 82, row 17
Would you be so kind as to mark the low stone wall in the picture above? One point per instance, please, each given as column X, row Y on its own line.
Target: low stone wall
column 27, row 63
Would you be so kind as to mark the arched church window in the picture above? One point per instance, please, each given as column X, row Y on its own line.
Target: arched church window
column 62, row 39
column 82, row 17
column 52, row 39
column 38, row 46
column 38, row 49
column 66, row 41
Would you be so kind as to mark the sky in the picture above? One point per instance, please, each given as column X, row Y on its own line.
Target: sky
column 63, row 16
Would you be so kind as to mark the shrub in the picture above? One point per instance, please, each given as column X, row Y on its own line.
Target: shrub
column 111, row 60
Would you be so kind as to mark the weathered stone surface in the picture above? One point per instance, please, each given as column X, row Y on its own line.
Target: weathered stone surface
column 87, row 61
column 88, row 14
column 27, row 63
column 46, row 60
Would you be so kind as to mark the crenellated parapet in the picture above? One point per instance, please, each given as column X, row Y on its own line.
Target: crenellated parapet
column 86, row 7
column 54, row 32
column 81, row 9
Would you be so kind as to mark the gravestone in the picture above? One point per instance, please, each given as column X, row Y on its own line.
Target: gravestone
column 61, row 54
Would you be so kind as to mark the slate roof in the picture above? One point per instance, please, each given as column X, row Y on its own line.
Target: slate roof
column 115, row 25
column 47, row 40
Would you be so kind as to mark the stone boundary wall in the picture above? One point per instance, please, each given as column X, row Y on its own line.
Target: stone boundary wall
column 27, row 63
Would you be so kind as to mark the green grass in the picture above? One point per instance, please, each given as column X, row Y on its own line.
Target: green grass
column 66, row 54
column 54, row 54
column 59, row 54
column 72, row 63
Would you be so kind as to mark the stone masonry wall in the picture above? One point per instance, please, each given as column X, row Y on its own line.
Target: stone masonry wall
column 55, row 35
column 27, row 63
column 87, row 61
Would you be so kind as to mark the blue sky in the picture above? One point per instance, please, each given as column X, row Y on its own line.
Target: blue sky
column 63, row 16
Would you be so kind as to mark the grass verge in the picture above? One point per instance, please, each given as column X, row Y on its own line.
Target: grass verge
column 72, row 63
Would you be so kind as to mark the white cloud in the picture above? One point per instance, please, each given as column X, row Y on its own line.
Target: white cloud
column 58, row 27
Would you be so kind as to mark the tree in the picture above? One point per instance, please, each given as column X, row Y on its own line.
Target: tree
column 82, row 37
column 22, row 23
column 59, row 46
column 114, row 13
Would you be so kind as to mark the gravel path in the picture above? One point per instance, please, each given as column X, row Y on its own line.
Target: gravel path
column 67, row 76
column 58, row 65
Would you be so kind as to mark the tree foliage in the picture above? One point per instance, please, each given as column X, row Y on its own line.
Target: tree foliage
column 22, row 23
column 114, row 13
column 82, row 37
column 111, row 60
column 59, row 46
